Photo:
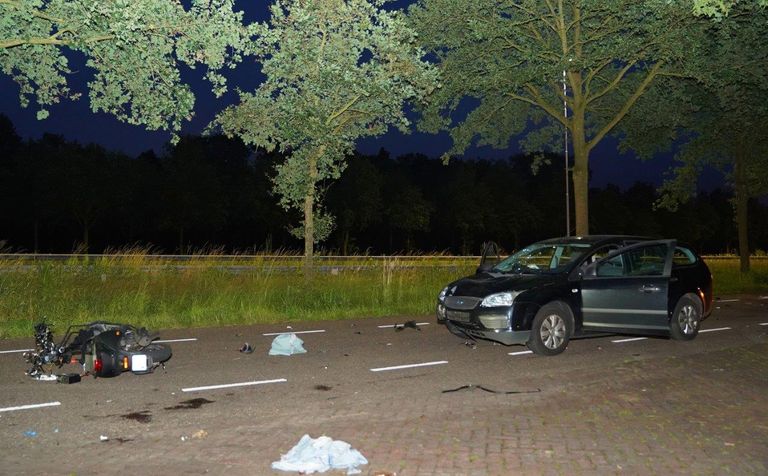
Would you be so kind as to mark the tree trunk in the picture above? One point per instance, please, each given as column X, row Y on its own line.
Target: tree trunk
column 309, row 217
column 580, row 173
column 742, row 215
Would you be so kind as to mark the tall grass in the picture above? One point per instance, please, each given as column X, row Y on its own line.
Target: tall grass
column 212, row 290
column 160, row 293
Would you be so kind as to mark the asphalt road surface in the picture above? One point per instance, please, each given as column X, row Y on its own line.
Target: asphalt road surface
column 607, row 405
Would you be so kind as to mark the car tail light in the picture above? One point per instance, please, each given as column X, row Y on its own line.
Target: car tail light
column 125, row 363
column 98, row 365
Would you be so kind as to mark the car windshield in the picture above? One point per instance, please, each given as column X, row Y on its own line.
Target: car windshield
column 543, row 258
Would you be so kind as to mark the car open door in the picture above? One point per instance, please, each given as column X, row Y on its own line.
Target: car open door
column 628, row 290
column 490, row 257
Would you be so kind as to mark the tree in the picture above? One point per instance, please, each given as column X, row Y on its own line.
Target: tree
column 504, row 63
column 723, row 114
column 336, row 70
column 135, row 48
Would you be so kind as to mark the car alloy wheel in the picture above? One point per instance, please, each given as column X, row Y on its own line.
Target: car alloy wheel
column 553, row 331
column 684, row 324
column 688, row 319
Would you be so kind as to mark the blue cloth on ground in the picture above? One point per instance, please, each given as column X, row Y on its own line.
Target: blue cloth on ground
column 319, row 455
column 287, row 344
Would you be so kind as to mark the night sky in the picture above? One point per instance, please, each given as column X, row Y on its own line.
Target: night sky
column 75, row 121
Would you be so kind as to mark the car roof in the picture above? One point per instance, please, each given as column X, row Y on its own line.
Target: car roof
column 595, row 240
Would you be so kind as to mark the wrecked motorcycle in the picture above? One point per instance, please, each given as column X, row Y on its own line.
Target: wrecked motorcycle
column 103, row 349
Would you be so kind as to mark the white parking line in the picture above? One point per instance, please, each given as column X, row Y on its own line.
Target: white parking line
column 409, row 366
column 293, row 332
column 728, row 300
column 632, row 339
column 521, row 352
column 174, row 340
column 29, row 407
column 715, row 330
column 401, row 325
column 230, row 385
column 14, row 351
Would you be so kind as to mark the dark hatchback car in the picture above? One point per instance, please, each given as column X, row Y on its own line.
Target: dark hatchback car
column 554, row 290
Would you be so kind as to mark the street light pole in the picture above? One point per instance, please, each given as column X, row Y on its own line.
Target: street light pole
column 567, row 181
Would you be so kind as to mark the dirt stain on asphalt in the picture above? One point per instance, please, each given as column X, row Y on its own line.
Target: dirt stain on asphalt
column 323, row 388
column 144, row 416
column 190, row 404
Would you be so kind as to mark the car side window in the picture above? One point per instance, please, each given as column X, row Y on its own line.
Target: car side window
column 645, row 261
column 612, row 267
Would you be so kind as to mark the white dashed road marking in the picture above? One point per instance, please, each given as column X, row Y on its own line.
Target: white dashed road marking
column 764, row 323
column 293, row 332
column 230, row 385
column 728, row 300
column 632, row 339
column 14, row 351
column 409, row 366
column 715, row 330
column 30, row 407
column 174, row 340
column 521, row 352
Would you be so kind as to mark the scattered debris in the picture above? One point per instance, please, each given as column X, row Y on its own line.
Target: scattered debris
column 45, row 377
column 68, row 378
column 30, row 433
column 411, row 324
column 103, row 438
column 287, row 344
column 200, row 434
column 470, row 343
column 319, row 455
column 489, row 390
column 246, row 348
column 323, row 388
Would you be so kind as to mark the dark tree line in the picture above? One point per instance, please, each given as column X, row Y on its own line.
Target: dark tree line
column 214, row 193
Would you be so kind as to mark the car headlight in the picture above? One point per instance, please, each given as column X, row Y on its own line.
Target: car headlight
column 499, row 299
column 442, row 294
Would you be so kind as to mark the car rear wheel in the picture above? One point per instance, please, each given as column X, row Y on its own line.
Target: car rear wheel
column 686, row 318
column 551, row 330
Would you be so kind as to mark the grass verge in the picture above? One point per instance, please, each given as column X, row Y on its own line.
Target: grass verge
column 143, row 290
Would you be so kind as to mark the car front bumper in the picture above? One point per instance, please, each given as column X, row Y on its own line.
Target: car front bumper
column 503, row 336
column 491, row 324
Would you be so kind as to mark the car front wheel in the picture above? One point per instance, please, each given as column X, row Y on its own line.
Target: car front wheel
column 552, row 328
column 686, row 318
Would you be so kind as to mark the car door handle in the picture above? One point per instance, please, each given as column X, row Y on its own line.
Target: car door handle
column 649, row 288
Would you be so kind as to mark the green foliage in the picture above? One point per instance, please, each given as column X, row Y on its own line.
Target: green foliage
column 718, row 9
column 504, row 63
column 719, row 118
column 134, row 47
column 336, row 70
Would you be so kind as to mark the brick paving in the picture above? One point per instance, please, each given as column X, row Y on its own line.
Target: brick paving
column 657, row 407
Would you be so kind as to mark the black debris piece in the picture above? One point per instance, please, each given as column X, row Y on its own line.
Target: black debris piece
column 411, row 324
column 246, row 348
column 489, row 390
